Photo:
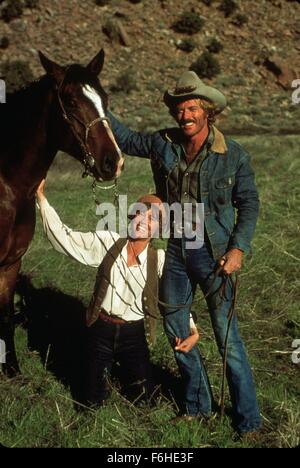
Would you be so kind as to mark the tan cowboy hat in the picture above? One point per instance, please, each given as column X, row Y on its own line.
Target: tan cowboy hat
column 190, row 86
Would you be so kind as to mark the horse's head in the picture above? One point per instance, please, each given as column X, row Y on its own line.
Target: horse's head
column 82, row 102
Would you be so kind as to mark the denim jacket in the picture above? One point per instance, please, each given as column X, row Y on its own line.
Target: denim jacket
column 226, row 182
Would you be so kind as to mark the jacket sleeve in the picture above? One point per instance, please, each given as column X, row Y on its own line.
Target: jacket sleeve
column 131, row 142
column 246, row 202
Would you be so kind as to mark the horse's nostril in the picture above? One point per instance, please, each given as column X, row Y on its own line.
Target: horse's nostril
column 108, row 164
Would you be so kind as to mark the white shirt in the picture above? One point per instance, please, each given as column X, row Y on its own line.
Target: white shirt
column 124, row 294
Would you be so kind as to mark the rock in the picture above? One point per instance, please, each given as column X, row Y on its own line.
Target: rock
column 124, row 37
column 115, row 31
column 18, row 25
column 283, row 73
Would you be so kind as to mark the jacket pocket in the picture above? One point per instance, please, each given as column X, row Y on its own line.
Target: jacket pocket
column 222, row 189
column 225, row 182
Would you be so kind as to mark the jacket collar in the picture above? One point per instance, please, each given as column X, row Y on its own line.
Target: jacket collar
column 219, row 145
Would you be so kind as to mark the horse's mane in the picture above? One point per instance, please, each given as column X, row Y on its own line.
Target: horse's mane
column 27, row 91
column 21, row 105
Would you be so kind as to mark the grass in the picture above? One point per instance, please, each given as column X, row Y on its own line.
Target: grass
column 40, row 412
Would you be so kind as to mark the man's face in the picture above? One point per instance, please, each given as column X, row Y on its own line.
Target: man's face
column 144, row 224
column 190, row 117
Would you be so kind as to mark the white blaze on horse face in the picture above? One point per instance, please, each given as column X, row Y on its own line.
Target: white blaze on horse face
column 92, row 94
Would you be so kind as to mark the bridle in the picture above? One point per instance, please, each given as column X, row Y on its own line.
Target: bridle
column 88, row 158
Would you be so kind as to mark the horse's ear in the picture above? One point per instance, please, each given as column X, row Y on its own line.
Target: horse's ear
column 96, row 64
column 52, row 68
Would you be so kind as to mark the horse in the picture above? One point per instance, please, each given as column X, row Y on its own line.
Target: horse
column 63, row 110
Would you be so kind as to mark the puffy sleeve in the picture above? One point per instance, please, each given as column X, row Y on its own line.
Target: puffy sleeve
column 88, row 248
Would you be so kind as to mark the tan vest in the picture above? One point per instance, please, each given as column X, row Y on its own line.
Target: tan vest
column 150, row 292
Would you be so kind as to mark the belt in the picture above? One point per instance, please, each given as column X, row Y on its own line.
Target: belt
column 103, row 315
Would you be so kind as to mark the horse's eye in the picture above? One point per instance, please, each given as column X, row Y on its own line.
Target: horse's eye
column 70, row 101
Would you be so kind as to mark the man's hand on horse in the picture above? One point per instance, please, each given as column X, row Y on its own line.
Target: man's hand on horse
column 232, row 261
column 40, row 192
column 186, row 345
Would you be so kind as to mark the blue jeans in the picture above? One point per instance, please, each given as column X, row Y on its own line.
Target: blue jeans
column 185, row 269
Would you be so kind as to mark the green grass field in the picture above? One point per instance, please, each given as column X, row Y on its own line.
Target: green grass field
column 39, row 412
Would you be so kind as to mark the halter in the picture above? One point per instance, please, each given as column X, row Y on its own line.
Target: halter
column 88, row 159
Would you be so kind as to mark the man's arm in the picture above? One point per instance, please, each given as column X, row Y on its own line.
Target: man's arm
column 246, row 201
column 129, row 141
column 88, row 248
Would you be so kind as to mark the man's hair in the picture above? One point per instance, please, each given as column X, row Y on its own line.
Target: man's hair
column 208, row 106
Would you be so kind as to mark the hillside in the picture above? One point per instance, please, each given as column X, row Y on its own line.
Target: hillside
column 258, row 62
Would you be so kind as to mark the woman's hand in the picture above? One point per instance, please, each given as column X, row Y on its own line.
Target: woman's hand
column 186, row 345
column 40, row 195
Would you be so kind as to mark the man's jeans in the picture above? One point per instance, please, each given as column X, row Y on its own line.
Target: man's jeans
column 184, row 269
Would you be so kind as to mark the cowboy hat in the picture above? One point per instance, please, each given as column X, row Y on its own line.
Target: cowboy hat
column 190, row 86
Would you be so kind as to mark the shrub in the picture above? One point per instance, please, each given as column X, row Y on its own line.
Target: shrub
column 135, row 1
column 214, row 46
column 206, row 66
column 102, row 2
column 125, row 83
column 188, row 23
column 4, row 42
column 111, row 29
column 207, row 2
column 31, row 3
column 187, row 45
column 16, row 74
column 13, row 9
column 228, row 7
column 239, row 20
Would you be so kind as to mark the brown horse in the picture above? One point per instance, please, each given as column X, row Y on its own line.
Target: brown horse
column 63, row 110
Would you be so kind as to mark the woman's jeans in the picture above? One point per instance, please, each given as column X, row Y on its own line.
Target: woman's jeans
column 184, row 269
column 123, row 343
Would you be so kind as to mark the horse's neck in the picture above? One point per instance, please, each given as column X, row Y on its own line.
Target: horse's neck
column 31, row 144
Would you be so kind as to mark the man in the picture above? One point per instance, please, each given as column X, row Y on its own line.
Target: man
column 191, row 164
column 126, row 290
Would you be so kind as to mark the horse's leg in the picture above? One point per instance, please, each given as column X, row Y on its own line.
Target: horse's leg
column 7, row 327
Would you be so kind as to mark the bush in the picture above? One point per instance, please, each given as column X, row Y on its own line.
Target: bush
column 102, row 2
column 4, row 42
column 228, row 7
column 214, row 46
column 135, row 1
column 240, row 19
column 207, row 2
column 206, row 66
column 125, row 83
column 189, row 23
column 16, row 74
column 187, row 45
column 13, row 9
column 31, row 3
column 111, row 29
